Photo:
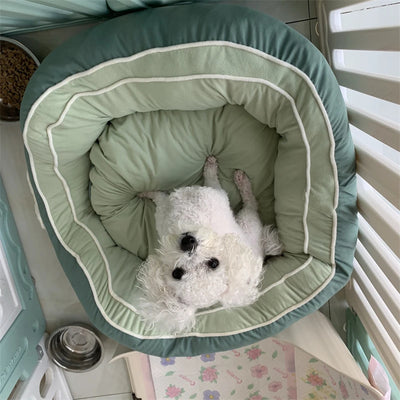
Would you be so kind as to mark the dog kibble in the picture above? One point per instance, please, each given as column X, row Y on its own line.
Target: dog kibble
column 16, row 68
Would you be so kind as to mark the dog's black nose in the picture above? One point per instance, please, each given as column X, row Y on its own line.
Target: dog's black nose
column 177, row 273
column 188, row 243
column 213, row 263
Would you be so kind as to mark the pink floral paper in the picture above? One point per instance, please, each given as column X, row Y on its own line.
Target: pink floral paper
column 268, row 370
column 317, row 381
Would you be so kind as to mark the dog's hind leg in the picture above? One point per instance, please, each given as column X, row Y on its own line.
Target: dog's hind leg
column 248, row 218
column 244, row 186
column 210, row 173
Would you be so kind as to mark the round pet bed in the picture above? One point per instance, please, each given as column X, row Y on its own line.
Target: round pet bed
column 137, row 104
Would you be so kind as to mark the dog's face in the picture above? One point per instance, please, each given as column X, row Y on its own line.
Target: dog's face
column 193, row 267
column 197, row 269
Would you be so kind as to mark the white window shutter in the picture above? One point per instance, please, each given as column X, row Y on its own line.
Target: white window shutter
column 361, row 41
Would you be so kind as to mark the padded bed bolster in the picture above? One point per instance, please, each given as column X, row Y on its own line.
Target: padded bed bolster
column 137, row 103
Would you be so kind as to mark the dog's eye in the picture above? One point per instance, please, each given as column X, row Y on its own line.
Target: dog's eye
column 177, row 273
column 212, row 263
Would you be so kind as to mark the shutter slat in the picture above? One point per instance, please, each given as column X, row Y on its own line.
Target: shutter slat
column 383, row 39
column 380, row 172
column 382, row 285
column 382, row 311
column 383, row 131
column 385, row 88
column 386, row 260
column 381, row 217
column 338, row 4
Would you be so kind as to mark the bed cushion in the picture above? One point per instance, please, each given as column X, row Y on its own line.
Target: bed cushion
column 137, row 104
column 162, row 150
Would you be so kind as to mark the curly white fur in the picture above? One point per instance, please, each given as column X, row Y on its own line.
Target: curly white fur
column 205, row 254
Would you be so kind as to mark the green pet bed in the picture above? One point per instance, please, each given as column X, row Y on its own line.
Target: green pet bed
column 137, row 104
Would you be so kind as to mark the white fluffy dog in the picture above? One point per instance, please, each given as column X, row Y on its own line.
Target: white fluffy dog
column 205, row 254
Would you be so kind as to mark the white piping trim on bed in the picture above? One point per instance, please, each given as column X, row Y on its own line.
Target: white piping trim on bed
column 168, row 49
column 244, row 330
column 169, row 80
column 76, row 220
column 214, row 44
column 272, row 320
column 270, row 287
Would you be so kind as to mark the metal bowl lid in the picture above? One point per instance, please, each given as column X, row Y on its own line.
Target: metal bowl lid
column 75, row 348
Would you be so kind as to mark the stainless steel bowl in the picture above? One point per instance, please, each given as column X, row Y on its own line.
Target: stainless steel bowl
column 75, row 348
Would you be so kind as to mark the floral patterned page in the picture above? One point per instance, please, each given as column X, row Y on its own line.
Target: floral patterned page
column 268, row 370
column 318, row 381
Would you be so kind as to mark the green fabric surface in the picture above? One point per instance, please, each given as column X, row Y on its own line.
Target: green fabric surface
column 163, row 150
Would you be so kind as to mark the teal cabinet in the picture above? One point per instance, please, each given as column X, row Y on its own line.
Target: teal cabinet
column 22, row 323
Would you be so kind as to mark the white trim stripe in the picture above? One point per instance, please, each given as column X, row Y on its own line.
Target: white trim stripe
column 270, row 287
column 169, row 80
column 177, row 79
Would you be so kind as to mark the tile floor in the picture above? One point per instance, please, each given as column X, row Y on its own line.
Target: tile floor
column 59, row 302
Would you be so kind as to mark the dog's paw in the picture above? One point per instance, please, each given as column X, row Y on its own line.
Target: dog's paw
column 240, row 178
column 211, row 164
column 210, row 173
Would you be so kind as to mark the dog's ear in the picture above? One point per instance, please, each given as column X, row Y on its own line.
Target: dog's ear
column 150, row 277
column 159, row 306
column 244, row 272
